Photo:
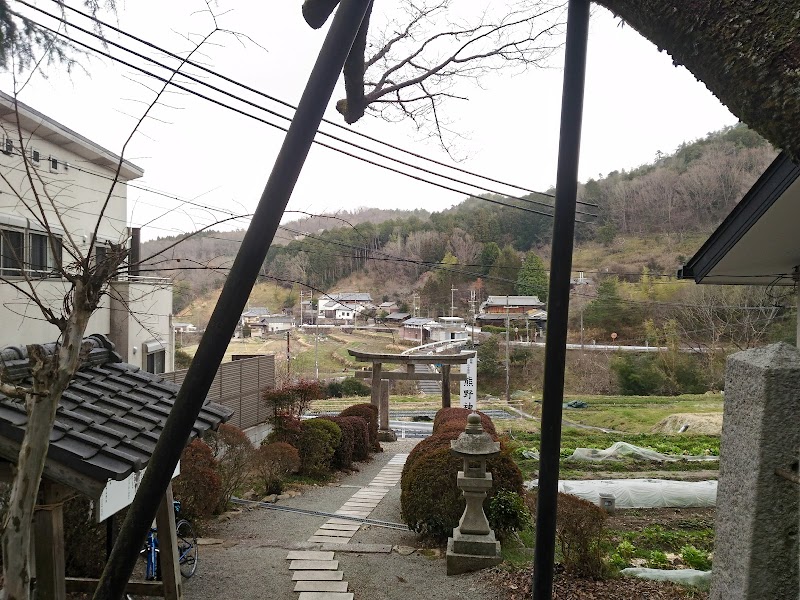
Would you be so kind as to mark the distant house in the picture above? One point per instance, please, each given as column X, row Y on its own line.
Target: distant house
column 388, row 307
column 356, row 299
column 183, row 327
column 510, row 304
column 272, row 324
column 447, row 329
column 332, row 311
column 396, row 318
column 414, row 329
column 253, row 315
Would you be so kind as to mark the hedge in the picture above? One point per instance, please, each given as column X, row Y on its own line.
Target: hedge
column 361, row 444
column 458, row 414
column 198, row 486
column 430, row 502
column 318, row 441
column 369, row 413
column 343, row 455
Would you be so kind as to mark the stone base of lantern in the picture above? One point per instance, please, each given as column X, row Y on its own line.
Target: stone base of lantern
column 467, row 553
column 387, row 435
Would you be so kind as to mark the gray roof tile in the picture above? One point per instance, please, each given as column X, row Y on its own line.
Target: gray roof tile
column 110, row 416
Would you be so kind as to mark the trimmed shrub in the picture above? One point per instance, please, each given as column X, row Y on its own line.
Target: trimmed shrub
column 334, row 389
column 198, row 486
column 318, row 441
column 353, row 387
column 459, row 415
column 361, row 444
column 292, row 399
column 580, row 528
column 430, row 502
column 285, row 428
column 273, row 462
column 233, row 452
column 369, row 413
column 343, row 456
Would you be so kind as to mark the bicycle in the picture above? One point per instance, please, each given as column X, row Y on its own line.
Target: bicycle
column 187, row 549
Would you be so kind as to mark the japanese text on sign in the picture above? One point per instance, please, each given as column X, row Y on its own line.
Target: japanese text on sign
column 469, row 385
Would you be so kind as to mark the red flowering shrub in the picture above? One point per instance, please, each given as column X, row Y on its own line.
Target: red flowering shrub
column 273, row 462
column 233, row 452
column 198, row 486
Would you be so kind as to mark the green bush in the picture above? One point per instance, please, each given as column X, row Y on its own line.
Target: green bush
column 285, row 428
column 182, row 359
column 507, row 513
column 696, row 559
column 430, row 502
column 334, row 389
column 580, row 530
column 317, row 445
column 369, row 413
column 657, row 560
column 273, row 462
column 233, row 452
column 637, row 375
column 343, row 456
column 198, row 487
column 353, row 387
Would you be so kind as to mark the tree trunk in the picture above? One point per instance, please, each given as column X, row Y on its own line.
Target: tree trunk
column 51, row 376
column 747, row 52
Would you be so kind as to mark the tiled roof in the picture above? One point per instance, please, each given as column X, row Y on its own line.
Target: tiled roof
column 351, row 297
column 256, row 311
column 110, row 416
column 513, row 301
column 418, row 321
column 398, row 316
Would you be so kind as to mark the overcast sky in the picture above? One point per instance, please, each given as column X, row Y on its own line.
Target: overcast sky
column 637, row 104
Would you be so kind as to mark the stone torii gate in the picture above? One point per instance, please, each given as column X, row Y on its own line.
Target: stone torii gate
column 378, row 376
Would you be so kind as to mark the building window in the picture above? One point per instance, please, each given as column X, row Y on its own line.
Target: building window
column 44, row 257
column 53, row 164
column 8, row 145
column 12, row 252
column 154, row 357
column 36, row 157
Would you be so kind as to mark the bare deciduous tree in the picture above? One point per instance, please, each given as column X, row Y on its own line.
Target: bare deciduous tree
column 413, row 62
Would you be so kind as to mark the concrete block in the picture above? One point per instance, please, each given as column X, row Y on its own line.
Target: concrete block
column 320, row 586
column 466, row 563
column 309, row 555
column 317, row 576
column 325, row 596
column 314, row 565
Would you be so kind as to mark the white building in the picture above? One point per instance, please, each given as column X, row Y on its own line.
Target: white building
column 447, row 329
column 330, row 310
column 76, row 174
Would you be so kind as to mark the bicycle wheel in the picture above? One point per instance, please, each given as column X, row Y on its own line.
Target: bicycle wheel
column 187, row 548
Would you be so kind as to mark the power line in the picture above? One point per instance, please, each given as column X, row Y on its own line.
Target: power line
column 281, row 128
column 284, row 103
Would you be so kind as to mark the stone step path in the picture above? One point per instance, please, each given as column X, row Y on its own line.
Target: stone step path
column 317, row 573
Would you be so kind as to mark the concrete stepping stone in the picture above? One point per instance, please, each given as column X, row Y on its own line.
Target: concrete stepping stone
column 317, row 576
column 340, row 526
column 335, row 521
column 320, row 586
column 328, row 539
column 358, row 505
column 354, row 513
column 314, row 565
column 309, row 555
column 326, row 596
column 334, row 533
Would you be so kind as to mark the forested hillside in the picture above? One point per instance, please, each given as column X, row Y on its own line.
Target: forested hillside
column 481, row 243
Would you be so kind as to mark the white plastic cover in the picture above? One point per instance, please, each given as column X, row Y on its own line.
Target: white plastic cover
column 701, row 579
column 620, row 450
column 642, row 493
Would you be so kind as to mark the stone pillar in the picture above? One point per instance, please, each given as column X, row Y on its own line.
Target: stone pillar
column 376, row 383
column 384, row 433
column 757, row 518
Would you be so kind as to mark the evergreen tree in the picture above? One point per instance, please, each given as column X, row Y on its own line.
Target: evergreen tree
column 504, row 272
column 532, row 279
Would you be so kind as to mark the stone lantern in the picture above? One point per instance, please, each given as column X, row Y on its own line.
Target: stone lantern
column 473, row 545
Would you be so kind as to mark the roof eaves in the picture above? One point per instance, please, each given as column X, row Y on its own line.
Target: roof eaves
column 775, row 180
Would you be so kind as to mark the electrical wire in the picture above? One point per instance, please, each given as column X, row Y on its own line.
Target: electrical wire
column 284, row 129
column 162, row 50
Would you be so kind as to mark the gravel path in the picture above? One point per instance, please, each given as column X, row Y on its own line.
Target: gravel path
column 250, row 563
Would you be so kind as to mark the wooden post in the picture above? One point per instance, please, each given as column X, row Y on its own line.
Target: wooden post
column 168, row 548
column 49, row 542
column 445, row 386
column 376, row 384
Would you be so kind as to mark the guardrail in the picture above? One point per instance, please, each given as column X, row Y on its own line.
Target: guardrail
column 436, row 346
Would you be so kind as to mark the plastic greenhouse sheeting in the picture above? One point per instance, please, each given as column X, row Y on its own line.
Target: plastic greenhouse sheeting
column 642, row 493
column 700, row 579
column 620, row 450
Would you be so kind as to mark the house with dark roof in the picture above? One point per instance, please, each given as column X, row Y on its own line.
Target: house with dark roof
column 414, row 329
column 107, row 424
column 136, row 313
column 253, row 315
column 272, row 324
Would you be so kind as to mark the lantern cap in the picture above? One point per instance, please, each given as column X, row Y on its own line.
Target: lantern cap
column 474, row 441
